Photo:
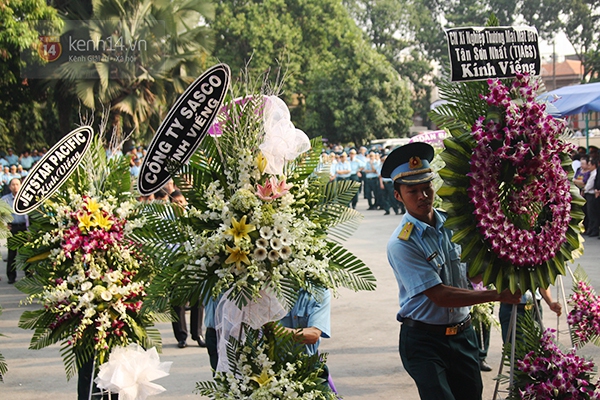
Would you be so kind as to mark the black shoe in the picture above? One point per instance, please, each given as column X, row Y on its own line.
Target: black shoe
column 396, row 211
column 372, row 208
column 386, row 213
column 201, row 341
column 182, row 344
column 11, row 281
column 483, row 366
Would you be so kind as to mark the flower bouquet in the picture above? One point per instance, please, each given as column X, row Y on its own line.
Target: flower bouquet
column 507, row 185
column 82, row 269
column 584, row 317
column 261, row 214
column 545, row 371
column 269, row 364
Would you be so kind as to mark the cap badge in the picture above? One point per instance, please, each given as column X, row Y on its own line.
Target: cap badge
column 415, row 163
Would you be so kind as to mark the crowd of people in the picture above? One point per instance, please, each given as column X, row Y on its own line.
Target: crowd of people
column 17, row 166
column 585, row 165
column 364, row 167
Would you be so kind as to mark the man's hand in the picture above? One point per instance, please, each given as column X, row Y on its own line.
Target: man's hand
column 556, row 307
column 309, row 335
column 506, row 296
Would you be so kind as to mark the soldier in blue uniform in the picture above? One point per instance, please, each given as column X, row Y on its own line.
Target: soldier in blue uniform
column 438, row 345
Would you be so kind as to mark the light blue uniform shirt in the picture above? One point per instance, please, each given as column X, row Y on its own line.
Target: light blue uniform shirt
column 375, row 164
column 308, row 312
column 210, row 306
column 343, row 166
column 415, row 274
column 355, row 166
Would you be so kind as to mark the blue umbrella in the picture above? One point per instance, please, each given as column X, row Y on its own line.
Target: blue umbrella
column 574, row 99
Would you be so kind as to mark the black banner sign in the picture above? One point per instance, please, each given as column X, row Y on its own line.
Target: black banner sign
column 479, row 53
column 52, row 170
column 180, row 134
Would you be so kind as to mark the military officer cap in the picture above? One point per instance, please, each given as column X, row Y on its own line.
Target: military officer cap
column 409, row 164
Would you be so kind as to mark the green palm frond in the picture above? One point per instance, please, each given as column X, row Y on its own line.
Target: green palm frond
column 348, row 270
column 303, row 167
column 343, row 221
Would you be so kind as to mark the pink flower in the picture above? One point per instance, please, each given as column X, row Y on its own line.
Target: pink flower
column 272, row 189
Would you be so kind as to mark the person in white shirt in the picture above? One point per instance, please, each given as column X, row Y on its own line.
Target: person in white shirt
column 590, row 200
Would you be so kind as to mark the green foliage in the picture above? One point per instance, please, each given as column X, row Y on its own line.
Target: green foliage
column 26, row 115
column 265, row 365
column 49, row 265
column 172, row 51
column 336, row 83
column 172, row 237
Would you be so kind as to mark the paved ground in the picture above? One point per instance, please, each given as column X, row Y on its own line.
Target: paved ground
column 363, row 350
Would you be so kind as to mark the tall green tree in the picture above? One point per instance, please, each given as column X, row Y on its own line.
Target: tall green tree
column 149, row 52
column 358, row 97
column 578, row 19
column 334, row 78
column 25, row 112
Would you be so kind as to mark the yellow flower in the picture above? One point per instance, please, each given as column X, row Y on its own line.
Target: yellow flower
column 261, row 162
column 262, row 379
column 239, row 230
column 102, row 221
column 85, row 221
column 93, row 206
column 237, row 256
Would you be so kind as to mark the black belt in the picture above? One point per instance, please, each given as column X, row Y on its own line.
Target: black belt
column 447, row 330
column 375, row 177
column 18, row 225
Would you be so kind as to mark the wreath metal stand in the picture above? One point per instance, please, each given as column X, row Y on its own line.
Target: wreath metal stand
column 512, row 329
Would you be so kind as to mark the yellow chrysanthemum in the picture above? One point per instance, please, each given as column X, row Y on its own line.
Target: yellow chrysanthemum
column 240, row 230
column 93, row 206
column 102, row 221
column 237, row 256
column 85, row 221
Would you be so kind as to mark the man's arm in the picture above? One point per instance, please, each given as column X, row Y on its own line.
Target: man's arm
column 554, row 305
column 450, row 296
column 308, row 335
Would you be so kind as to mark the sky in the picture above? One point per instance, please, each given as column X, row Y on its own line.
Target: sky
column 563, row 48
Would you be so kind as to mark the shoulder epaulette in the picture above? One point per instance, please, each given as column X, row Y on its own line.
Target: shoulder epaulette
column 406, row 231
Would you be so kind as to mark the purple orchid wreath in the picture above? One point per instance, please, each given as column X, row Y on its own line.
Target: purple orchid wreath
column 507, row 187
column 527, row 141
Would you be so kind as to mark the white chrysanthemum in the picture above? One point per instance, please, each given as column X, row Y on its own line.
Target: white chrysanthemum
column 273, row 255
column 278, row 229
column 286, row 239
column 266, row 232
column 285, row 252
column 260, row 254
column 262, row 242
column 275, row 243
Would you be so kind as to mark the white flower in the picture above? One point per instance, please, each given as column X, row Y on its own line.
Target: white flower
column 266, row 232
column 260, row 253
column 85, row 286
column 273, row 255
column 93, row 273
column 111, row 277
column 262, row 242
column 106, row 295
column 285, row 252
column 287, row 239
column 275, row 243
